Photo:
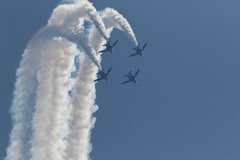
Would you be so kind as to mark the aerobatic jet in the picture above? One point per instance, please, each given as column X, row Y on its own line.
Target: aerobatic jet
column 109, row 48
column 103, row 75
column 131, row 78
column 138, row 50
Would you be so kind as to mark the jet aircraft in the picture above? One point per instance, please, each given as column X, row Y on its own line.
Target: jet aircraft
column 138, row 50
column 109, row 48
column 131, row 78
column 103, row 75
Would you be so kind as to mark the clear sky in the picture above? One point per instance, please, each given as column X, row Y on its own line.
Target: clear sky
column 186, row 105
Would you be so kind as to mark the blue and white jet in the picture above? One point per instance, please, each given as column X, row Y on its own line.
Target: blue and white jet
column 138, row 50
column 131, row 78
column 103, row 75
column 109, row 48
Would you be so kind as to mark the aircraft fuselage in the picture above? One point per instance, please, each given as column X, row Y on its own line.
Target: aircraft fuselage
column 104, row 75
column 139, row 51
column 132, row 78
column 109, row 48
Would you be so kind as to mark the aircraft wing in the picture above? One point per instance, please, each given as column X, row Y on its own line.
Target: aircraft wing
column 126, row 81
column 109, row 70
column 115, row 43
column 97, row 79
column 133, row 55
column 144, row 46
column 105, row 50
column 137, row 73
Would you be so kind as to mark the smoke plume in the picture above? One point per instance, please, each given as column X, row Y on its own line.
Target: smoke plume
column 51, row 110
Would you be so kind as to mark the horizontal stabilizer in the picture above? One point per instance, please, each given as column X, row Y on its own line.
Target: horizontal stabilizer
column 105, row 50
column 133, row 55
column 97, row 79
column 126, row 82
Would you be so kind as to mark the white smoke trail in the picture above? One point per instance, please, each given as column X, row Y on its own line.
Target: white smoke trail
column 83, row 107
column 86, row 45
column 70, row 19
column 78, row 36
column 69, row 13
column 94, row 15
column 49, row 122
column 24, row 96
column 114, row 19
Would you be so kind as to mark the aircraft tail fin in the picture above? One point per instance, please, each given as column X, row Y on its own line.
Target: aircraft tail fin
column 133, row 55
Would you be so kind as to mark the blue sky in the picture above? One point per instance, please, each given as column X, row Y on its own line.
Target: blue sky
column 186, row 104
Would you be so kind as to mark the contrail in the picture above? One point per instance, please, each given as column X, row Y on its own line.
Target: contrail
column 95, row 17
column 68, row 13
column 113, row 18
column 86, row 45
column 49, row 120
column 83, row 107
column 70, row 19
column 61, row 122
column 24, row 96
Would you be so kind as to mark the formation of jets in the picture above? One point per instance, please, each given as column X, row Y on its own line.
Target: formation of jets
column 131, row 77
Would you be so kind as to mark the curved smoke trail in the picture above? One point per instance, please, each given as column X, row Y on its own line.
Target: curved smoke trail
column 112, row 19
column 61, row 123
